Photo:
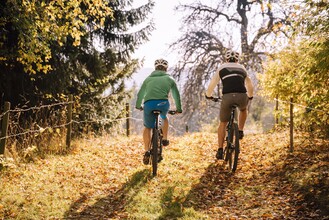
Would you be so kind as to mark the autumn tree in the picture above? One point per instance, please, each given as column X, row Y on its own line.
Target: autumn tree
column 53, row 48
column 300, row 71
column 253, row 28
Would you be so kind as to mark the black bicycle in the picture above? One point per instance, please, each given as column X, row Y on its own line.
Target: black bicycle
column 232, row 148
column 156, row 141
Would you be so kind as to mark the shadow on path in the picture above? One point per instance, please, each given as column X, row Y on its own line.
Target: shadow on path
column 211, row 188
column 304, row 177
column 206, row 193
column 113, row 205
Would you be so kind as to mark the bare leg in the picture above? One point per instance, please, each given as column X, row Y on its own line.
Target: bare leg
column 221, row 134
column 165, row 128
column 242, row 119
column 147, row 138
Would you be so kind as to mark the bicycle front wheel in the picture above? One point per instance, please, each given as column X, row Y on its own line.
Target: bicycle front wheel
column 234, row 148
column 154, row 151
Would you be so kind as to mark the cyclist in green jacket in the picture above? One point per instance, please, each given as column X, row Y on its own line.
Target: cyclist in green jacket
column 154, row 92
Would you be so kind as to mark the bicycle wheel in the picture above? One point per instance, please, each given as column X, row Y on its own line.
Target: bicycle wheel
column 229, row 139
column 154, row 151
column 234, row 149
column 160, row 146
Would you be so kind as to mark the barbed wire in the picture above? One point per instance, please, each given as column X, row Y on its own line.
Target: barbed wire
column 40, row 107
column 107, row 120
column 303, row 106
column 40, row 130
column 34, row 108
column 3, row 114
column 102, row 120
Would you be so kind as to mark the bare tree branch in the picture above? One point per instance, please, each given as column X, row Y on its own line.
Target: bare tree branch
column 210, row 31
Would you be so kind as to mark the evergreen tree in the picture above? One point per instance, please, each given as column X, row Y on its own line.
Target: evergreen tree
column 91, row 61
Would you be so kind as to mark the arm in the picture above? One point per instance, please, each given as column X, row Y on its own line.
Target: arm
column 176, row 96
column 249, row 87
column 213, row 83
column 140, row 96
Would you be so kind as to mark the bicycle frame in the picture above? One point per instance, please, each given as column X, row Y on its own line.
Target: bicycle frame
column 156, row 141
column 232, row 149
column 232, row 140
column 233, row 119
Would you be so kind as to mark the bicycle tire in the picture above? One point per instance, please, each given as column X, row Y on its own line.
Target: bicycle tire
column 235, row 148
column 229, row 140
column 154, row 151
column 160, row 145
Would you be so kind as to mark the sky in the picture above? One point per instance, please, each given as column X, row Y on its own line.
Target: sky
column 167, row 23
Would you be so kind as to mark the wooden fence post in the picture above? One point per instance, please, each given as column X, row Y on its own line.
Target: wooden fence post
column 69, row 122
column 291, row 125
column 127, row 119
column 276, row 110
column 4, row 127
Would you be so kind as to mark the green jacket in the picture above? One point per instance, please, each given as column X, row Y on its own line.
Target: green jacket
column 157, row 86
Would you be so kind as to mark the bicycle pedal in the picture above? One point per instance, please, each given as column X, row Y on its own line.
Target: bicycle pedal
column 160, row 158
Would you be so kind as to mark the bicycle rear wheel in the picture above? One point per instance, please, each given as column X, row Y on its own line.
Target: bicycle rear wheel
column 154, row 151
column 234, row 148
column 160, row 158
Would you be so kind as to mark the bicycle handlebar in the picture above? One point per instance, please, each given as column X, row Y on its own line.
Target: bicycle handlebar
column 171, row 112
column 214, row 99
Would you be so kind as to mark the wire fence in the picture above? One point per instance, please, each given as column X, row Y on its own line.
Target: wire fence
column 17, row 128
column 302, row 106
column 64, row 122
column 31, row 131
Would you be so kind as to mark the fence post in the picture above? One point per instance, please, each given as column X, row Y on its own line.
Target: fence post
column 69, row 122
column 127, row 119
column 276, row 110
column 186, row 128
column 4, row 127
column 291, row 125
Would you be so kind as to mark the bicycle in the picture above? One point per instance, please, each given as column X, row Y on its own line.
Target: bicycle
column 232, row 148
column 156, row 141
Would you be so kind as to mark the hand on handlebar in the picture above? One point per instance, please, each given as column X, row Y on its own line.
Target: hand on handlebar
column 213, row 98
column 174, row 112
column 140, row 108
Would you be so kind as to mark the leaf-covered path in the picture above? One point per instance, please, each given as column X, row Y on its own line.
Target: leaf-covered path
column 104, row 178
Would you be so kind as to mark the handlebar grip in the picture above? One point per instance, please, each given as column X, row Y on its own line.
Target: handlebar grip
column 172, row 112
column 214, row 99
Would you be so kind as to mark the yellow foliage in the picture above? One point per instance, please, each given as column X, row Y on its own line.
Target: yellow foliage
column 47, row 25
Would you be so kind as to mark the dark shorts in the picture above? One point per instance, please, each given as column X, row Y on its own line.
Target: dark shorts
column 149, row 106
column 230, row 99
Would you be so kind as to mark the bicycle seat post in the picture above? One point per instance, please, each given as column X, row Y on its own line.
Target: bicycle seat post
column 234, row 112
column 157, row 113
